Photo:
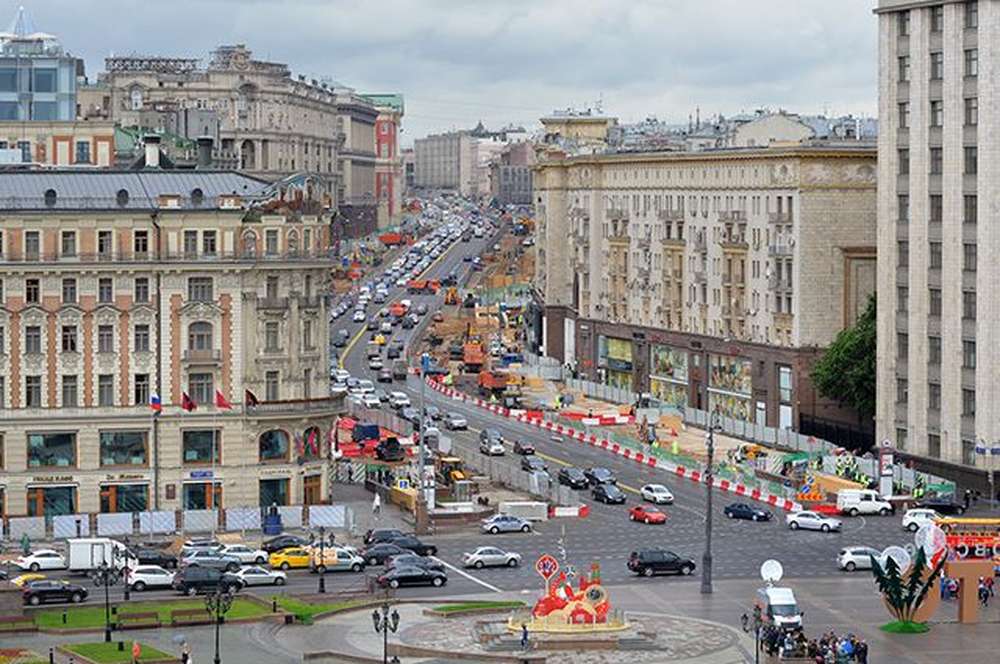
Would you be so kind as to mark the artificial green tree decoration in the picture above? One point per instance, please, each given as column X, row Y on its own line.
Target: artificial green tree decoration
column 904, row 593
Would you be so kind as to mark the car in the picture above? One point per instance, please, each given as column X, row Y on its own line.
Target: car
column 142, row 577
column 659, row 561
column 608, row 493
column 286, row 559
column 505, row 523
column 533, row 464
column 384, row 376
column 393, row 351
column 366, row 386
column 941, row 505
column 412, row 576
column 656, row 493
column 598, row 475
column 523, row 447
column 385, row 327
column 353, row 384
column 194, row 580
column 572, row 477
column 342, row 338
column 255, row 575
column 647, row 515
column 432, row 412
column 372, row 324
column 377, row 554
column 359, row 316
column 39, row 560
column 370, row 401
column 375, row 363
column 151, row 556
column 914, row 518
column 438, row 317
column 411, row 543
column 211, row 558
column 454, row 422
column 283, row 542
column 413, row 560
column 399, row 400
column 490, row 556
column 408, row 323
column 856, row 557
column 390, row 449
column 467, row 258
column 382, row 395
column 746, row 511
column 377, row 535
column 245, row 554
column 336, row 559
column 807, row 520
column 421, row 309
column 491, row 442
column 47, row 591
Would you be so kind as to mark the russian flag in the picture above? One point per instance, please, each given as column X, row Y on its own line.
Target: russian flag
column 155, row 405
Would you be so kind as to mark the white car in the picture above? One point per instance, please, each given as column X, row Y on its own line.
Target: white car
column 917, row 517
column 375, row 363
column 340, row 375
column 256, row 575
column 491, row 556
column 366, row 387
column 657, row 493
column 245, row 554
column 41, row 559
column 856, row 557
column 401, row 281
column 370, row 401
column 807, row 520
column 359, row 316
column 399, row 400
column 143, row 577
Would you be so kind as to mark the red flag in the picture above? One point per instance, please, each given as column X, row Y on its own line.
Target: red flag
column 250, row 398
column 221, row 402
column 187, row 403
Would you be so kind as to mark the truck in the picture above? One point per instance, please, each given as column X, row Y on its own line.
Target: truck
column 473, row 356
column 86, row 554
column 416, row 286
column 399, row 369
column 862, row 501
column 493, row 382
column 779, row 608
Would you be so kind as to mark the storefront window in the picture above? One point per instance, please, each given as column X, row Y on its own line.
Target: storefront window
column 201, row 496
column 615, row 356
column 312, row 444
column 730, row 386
column 274, row 445
column 124, row 498
column 199, row 446
column 51, row 450
column 123, row 448
column 668, row 375
column 274, row 492
column 51, row 501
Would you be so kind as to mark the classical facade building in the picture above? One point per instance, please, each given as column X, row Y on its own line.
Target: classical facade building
column 937, row 355
column 356, row 117
column 57, row 143
column 122, row 289
column 711, row 279
column 510, row 174
column 389, row 184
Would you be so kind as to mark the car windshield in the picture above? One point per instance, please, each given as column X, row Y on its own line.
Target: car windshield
column 784, row 610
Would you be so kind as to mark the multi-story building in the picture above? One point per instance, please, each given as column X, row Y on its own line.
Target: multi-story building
column 510, row 174
column 389, row 182
column 356, row 116
column 409, row 170
column 937, row 358
column 712, row 279
column 446, row 161
column 57, row 143
column 37, row 78
column 116, row 286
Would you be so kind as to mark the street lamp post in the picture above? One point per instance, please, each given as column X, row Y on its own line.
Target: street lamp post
column 753, row 623
column 385, row 622
column 218, row 603
column 106, row 575
column 322, row 559
column 706, row 559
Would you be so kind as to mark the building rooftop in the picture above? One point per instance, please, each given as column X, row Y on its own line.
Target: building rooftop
column 388, row 100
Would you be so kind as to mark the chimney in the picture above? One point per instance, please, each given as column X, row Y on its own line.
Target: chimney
column 152, row 142
column 204, row 152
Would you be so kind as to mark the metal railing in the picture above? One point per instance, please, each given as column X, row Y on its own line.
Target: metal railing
column 779, row 250
column 297, row 406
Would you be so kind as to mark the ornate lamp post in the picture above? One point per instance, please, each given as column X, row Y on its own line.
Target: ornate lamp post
column 106, row 575
column 322, row 559
column 706, row 559
column 753, row 623
column 218, row 603
column 385, row 622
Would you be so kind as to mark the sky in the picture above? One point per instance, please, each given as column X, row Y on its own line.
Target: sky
column 458, row 62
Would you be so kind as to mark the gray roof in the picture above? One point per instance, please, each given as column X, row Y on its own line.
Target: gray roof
column 99, row 189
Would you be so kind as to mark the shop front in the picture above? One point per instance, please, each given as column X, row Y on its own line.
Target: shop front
column 52, row 499
column 312, row 489
column 201, row 491
column 126, row 496
column 273, row 491
column 730, row 387
column 668, row 375
column 614, row 359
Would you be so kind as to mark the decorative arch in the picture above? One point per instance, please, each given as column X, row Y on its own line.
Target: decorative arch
column 274, row 445
column 200, row 335
column 248, row 155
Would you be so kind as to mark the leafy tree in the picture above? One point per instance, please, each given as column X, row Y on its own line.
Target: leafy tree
column 846, row 372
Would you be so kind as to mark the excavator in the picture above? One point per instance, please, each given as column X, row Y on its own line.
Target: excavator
column 451, row 296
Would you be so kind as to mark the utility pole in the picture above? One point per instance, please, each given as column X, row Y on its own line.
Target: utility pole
column 706, row 559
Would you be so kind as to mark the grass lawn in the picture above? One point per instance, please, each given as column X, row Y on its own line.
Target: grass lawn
column 305, row 611
column 466, row 606
column 109, row 653
column 93, row 615
column 903, row 627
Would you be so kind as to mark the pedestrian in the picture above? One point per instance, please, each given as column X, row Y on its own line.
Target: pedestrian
column 524, row 636
column 861, row 652
column 988, row 582
column 984, row 595
column 376, row 505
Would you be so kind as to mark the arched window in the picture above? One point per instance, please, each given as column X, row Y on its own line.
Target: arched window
column 312, row 444
column 200, row 336
column 249, row 244
column 293, row 243
column 136, row 98
column 273, row 445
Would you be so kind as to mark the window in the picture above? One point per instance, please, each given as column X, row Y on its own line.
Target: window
column 208, row 243
column 901, row 438
column 141, row 338
column 970, row 205
column 272, row 287
column 201, row 446
column 903, row 252
column 904, row 23
column 969, row 305
column 82, row 152
column 200, row 336
column 307, row 375
column 201, row 387
column 972, row 14
column 904, row 68
column 33, row 391
column 971, row 111
column 937, row 113
column 937, row 65
column 33, row 339
column 271, row 343
column 9, row 110
column 274, row 445
column 105, row 290
column 106, row 390
column 8, row 80
column 69, row 338
column 935, row 255
column 190, row 243
column 45, row 80
column 50, row 450
column 904, row 115
column 936, row 211
column 307, row 336
column 937, row 18
column 972, row 62
column 32, row 245
column 123, row 448
column 936, row 160
column 69, row 392
column 902, row 390
column 141, row 391
column 105, row 244
column 934, row 396
column 200, row 289
column 904, row 161
column 969, row 354
column 141, row 291
column 903, row 208
column 902, row 299
column 140, row 243
column 69, row 290
column 935, row 301
column 969, row 256
column 968, row 402
column 271, row 386
column 934, row 445
column 105, row 338
column 934, row 350
column 902, row 345
column 25, row 148
column 135, row 98
column 971, row 160
column 271, row 242
column 68, row 245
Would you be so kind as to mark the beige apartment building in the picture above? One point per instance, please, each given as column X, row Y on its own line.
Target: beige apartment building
column 57, row 143
column 446, row 161
column 712, row 279
column 937, row 339
column 116, row 286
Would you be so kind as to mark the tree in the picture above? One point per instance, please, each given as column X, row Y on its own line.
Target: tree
column 846, row 372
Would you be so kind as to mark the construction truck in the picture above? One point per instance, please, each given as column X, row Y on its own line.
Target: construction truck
column 449, row 469
column 473, row 356
column 451, row 296
column 493, row 382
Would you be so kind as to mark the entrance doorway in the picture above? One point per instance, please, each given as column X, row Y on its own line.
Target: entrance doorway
column 312, row 487
column 274, row 492
column 202, row 496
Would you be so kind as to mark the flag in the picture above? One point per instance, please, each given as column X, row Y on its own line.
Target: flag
column 312, row 439
column 221, row 402
column 250, row 398
column 155, row 405
column 187, row 403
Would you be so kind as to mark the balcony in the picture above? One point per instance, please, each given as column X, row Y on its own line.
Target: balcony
column 776, row 284
column 779, row 217
column 699, row 243
column 310, row 301
column 333, row 404
column 280, row 303
column 146, row 257
column 699, row 276
column 733, row 216
column 671, row 215
column 779, row 250
column 211, row 356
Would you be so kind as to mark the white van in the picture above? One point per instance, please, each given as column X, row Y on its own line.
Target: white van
column 779, row 608
column 862, row 501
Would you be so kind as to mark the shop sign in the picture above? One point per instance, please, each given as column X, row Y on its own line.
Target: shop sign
column 124, row 476
column 52, row 478
column 619, row 365
column 274, row 471
column 201, row 474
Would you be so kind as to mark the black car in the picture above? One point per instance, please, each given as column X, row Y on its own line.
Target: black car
column 412, row 576
column 377, row 554
column 155, row 557
column 392, row 352
column 600, row 476
column 416, row 546
column 941, row 505
column 384, row 376
column 532, row 464
column 489, row 435
column 281, row 542
column 408, row 323
column 390, row 450
column 659, row 561
column 194, row 580
column 608, row 493
column 746, row 511
column 379, row 535
column 413, row 560
column 573, row 478
column 44, row 591
column 523, row 447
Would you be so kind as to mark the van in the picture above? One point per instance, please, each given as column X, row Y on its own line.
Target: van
column 779, row 608
column 862, row 501
column 399, row 369
column 86, row 554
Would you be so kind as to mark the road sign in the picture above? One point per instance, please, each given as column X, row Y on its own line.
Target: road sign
column 546, row 566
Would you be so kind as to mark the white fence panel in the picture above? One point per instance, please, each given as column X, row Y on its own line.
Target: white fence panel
column 328, row 516
column 34, row 526
column 70, row 525
column 242, row 518
column 151, row 523
column 114, row 524
column 199, row 521
column 291, row 516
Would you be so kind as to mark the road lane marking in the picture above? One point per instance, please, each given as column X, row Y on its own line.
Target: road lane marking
column 462, row 572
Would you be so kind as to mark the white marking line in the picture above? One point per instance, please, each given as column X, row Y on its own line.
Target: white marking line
column 467, row 575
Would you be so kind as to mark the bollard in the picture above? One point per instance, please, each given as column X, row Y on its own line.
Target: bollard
column 64, row 616
column 274, row 605
column 52, row 655
column 121, row 646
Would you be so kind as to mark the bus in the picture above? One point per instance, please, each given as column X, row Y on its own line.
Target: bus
column 971, row 537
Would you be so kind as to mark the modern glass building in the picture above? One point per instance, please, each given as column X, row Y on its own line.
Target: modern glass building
column 37, row 78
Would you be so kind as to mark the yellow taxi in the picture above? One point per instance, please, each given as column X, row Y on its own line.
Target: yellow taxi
column 20, row 581
column 285, row 559
column 380, row 339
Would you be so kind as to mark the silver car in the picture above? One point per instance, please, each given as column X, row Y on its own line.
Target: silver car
column 213, row 559
column 807, row 520
column 504, row 523
column 490, row 556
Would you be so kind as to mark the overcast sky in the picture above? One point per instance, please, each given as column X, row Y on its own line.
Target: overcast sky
column 512, row 61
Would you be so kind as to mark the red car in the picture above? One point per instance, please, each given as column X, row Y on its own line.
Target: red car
column 647, row 514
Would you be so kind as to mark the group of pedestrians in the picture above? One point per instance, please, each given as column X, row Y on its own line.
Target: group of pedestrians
column 828, row 649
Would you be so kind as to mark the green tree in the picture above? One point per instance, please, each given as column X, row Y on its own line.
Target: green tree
column 846, row 372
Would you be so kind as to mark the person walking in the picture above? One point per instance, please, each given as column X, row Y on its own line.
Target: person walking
column 524, row 636
column 376, row 505
column 861, row 652
column 984, row 594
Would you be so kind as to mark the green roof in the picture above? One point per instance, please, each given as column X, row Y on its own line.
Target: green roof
column 126, row 139
column 392, row 100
